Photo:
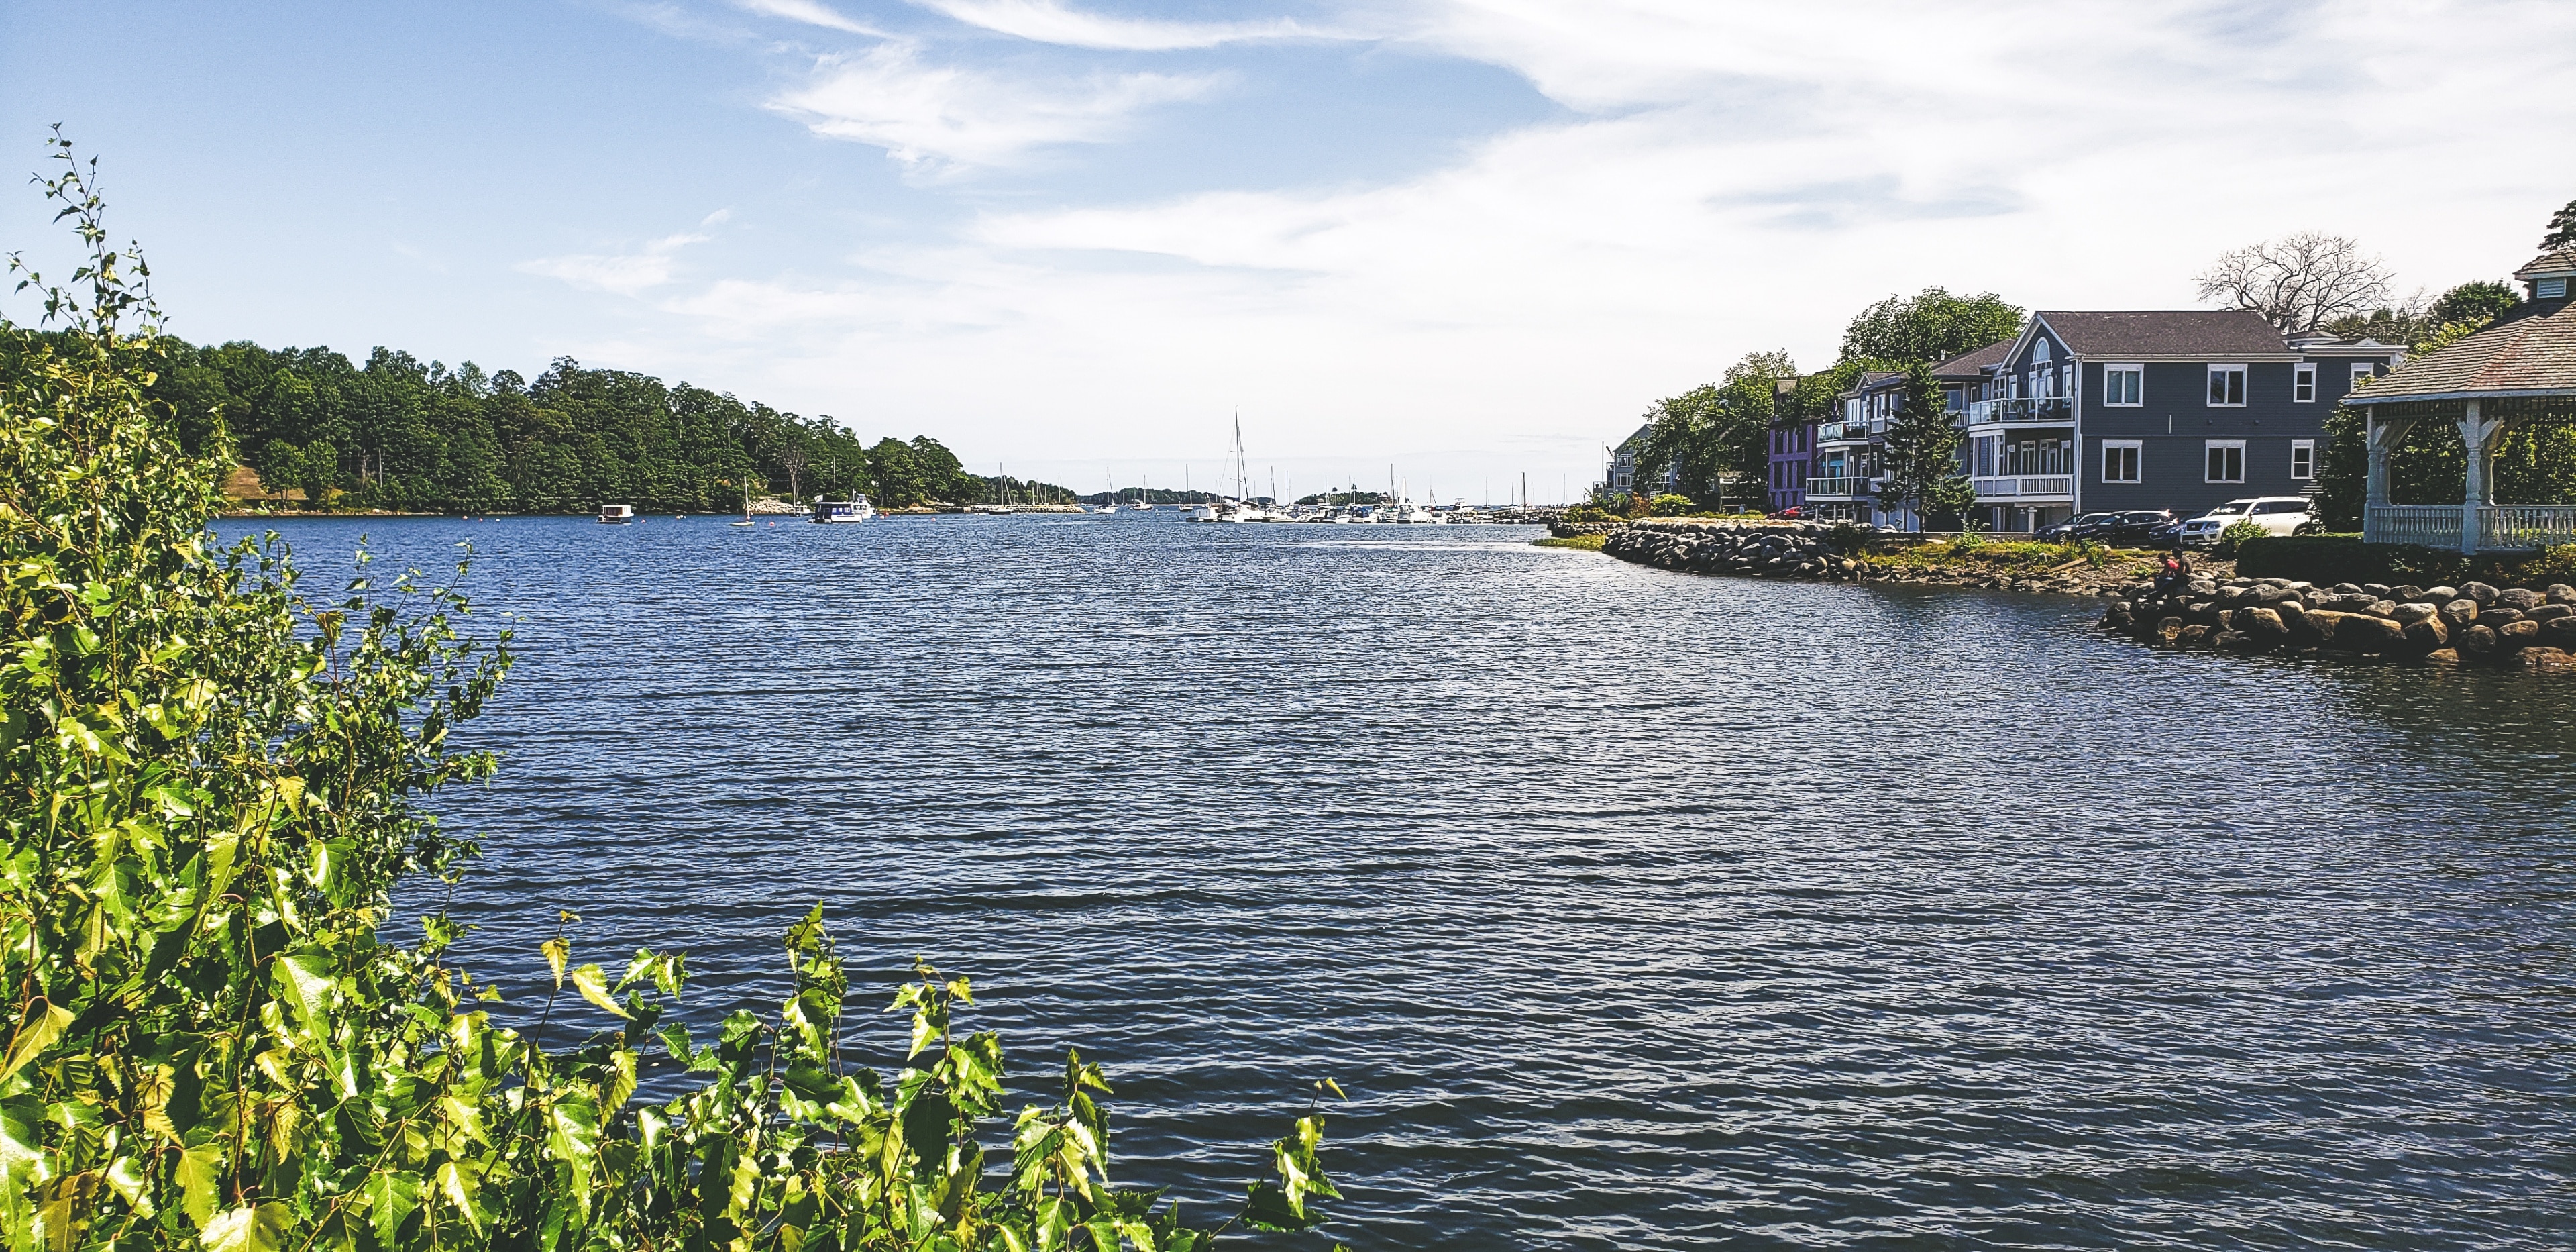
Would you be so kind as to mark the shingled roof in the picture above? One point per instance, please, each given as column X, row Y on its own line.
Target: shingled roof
column 2530, row 351
column 2549, row 264
column 2209, row 333
column 1974, row 364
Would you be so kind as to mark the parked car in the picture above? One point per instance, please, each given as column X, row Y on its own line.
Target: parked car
column 2277, row 515
column 2136, row 528
column 2071, row 528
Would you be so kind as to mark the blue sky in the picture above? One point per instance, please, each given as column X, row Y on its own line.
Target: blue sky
column 1472, row 239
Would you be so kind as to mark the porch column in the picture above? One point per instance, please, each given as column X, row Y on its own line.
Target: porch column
column 2381, row 435
column 2481, row 437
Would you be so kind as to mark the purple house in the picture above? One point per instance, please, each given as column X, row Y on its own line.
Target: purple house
column 1793, row 449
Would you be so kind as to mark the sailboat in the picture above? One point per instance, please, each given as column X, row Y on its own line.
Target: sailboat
column 746, row 503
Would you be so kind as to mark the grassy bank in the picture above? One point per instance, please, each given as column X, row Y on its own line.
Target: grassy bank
column 1588, row 543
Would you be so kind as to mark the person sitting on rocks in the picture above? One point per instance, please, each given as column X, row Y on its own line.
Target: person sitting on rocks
column 2176, row 574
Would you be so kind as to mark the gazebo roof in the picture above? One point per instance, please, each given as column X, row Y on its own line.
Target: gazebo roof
column 2530, row 351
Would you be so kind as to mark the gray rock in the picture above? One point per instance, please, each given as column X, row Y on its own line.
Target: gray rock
column 2407, row 594
column 2547, row 661
column 2231, row 594
column 2378, row 591
column 2550, row 612
column 2348, row 589
column 2381, row 608
column 2517, row 635
column 2560, row 593
column 2460, row 612
column 2559, row 632
column 2428, row 634
column 2499, row 616
column 2261, row 625
column 2441, row 595
column 2523, row 598
column 2480, row 592
column 2476, row 641
column 2412, row 612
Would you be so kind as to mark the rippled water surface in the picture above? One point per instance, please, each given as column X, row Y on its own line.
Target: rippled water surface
column 1634, row 909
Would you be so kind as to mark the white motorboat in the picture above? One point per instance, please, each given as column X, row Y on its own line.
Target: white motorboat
column 854, row 509
column 616, row 514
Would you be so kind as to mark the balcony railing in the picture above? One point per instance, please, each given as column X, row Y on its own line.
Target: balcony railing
column 2021, row 409
column 1843, row 487
column 2026, row 487
column 1862, row 429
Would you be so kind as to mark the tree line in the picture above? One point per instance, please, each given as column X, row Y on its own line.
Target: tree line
column 403, row 435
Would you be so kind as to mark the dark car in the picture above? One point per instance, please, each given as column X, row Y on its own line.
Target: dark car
column 2137, row 528
column 2071, row 528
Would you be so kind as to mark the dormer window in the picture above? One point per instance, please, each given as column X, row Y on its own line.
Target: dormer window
column 2039, row 352
column 2549, row 289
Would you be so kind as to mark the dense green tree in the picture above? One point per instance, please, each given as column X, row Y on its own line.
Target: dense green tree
column 398, row 433
column 1717, row 435
column 2562, row 228
column 1922, row 456
column 1931, row 326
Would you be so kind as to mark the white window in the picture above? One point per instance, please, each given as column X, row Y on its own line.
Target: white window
column 2549, row 289
column 2227, row 458
column 2303, row 383
column 2066, row 380
column 2119, row 460
column 2039, row 350
column 2362, row 372
column 2226, row 390
column 2303, row 459
column 2124, row 385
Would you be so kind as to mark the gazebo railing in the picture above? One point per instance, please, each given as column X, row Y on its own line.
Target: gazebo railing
column 2526, row 525
column 2432, row 525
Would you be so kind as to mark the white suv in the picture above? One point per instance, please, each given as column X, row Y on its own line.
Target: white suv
column 2277, row 515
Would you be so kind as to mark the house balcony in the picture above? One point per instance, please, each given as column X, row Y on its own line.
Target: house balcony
column 2026, row 489
column 2024, row 410
column 1849, row 432
column 1843, row 487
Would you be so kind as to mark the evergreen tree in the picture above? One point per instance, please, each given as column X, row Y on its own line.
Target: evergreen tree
column 1922, row 454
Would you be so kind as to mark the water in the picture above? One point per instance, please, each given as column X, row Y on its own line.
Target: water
column 1634, row 909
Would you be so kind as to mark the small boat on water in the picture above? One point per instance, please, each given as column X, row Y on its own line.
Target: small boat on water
column 616, row 514
column 854, row 509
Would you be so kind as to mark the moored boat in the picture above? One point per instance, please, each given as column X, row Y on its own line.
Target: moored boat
column 616, row 514
column 854, row 509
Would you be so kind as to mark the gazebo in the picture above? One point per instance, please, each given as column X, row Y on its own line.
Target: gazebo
column 2520, row 370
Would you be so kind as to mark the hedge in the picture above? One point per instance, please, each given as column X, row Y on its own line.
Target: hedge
column 2330, row 559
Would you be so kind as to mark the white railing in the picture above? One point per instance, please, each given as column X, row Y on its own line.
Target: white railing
column 2432, row 525
column 2525, row 525
column 2020, row 409
column 1835, row 487
column 2026, row 487
column 1832, row 432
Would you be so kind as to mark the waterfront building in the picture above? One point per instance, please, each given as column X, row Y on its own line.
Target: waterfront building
column 2154, row 409
column 1624, row 470
column 2520, row 369
column 1847, row 458
column 1793, row 447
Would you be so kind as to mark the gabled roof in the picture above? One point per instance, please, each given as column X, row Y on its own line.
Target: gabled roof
column 1974, row 364
column 2216, row 334
column 2549, row 264
column 1870, row 380
column 2531, row 350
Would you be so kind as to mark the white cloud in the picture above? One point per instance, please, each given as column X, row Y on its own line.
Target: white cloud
column 807, row 11
column 938, row 116
column 622, row 273
column 1734, row 177
column 1048, row 21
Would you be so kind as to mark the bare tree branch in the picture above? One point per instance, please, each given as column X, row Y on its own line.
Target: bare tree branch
column 2299, row 282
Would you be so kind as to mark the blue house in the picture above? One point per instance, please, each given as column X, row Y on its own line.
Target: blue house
column 2166, row 409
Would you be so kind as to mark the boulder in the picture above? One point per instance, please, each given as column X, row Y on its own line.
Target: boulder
column 2442, row 656
column 2560, row 593
column 2427, row 634
column 2523, row 598
column 2359, row 632
column 2192, row 636
column 2413, row 611
column 2382, row 607
column 2559, row 632
column 2168, row 631
column 2302, row 629
column 2377, row 591
column 2460, row 612
column 2550, row 612
column 2347, row 589
column 2476, row 641
column 2546, row 661
column 2441, row 595
column 2404, row 595
column 2480, row 592
column 2515, row 636
column 2499, row 616
column 2231, row 594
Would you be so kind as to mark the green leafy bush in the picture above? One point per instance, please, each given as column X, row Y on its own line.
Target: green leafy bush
column 1671, row 505
column 2238, row 533
column 212, row 784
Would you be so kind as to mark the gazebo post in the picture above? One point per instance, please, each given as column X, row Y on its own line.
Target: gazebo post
column 2380, row 435
column 2482, row 438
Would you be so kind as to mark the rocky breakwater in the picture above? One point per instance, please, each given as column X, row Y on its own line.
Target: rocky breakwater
column 1775, row 549
column 2513, row 627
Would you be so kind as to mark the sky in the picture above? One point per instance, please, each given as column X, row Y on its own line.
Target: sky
column 1455, row 241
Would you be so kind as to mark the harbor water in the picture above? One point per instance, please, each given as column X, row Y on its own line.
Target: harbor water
column 1632, row 909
